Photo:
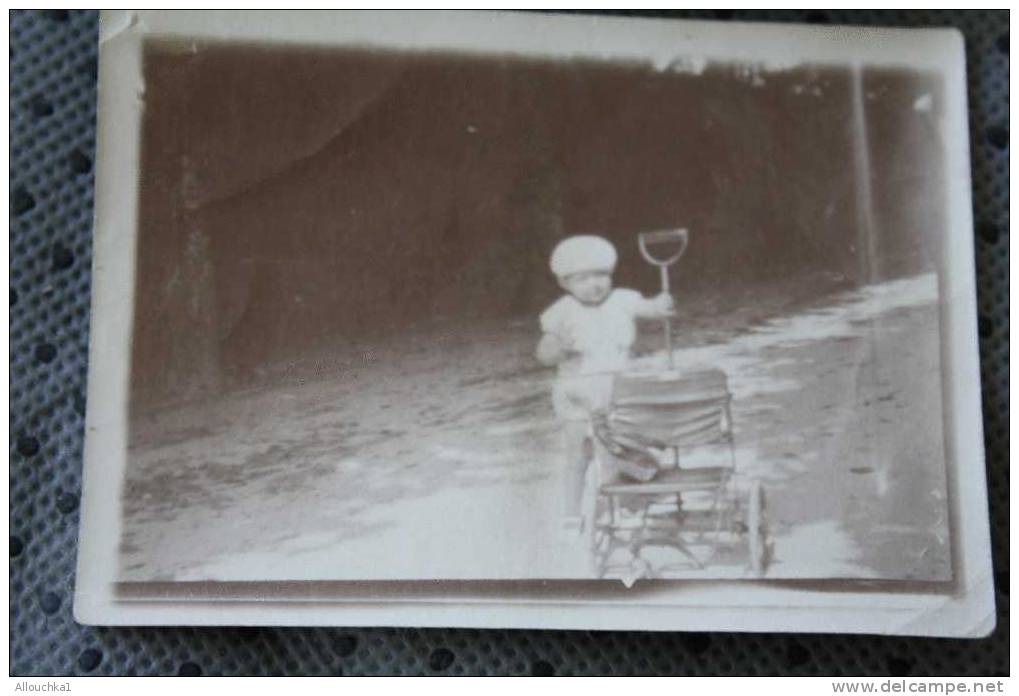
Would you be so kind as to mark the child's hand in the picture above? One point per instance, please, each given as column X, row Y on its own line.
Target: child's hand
column 552, row 349
column 664, row 304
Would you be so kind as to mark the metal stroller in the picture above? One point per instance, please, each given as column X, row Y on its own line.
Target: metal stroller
column 680, row 427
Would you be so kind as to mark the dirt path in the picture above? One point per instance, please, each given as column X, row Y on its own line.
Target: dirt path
column 435, row 457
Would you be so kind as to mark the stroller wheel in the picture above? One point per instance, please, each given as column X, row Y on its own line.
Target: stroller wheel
column 756, row 529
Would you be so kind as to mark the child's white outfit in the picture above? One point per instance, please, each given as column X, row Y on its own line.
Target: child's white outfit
column 601, row 338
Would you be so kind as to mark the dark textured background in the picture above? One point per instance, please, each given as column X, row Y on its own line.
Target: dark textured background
column 294, row 200
column 52, row 112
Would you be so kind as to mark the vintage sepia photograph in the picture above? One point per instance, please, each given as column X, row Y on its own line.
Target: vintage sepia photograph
column 404, row 315
column 448, row 318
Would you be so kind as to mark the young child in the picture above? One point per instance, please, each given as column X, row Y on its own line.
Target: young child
column 589, row 334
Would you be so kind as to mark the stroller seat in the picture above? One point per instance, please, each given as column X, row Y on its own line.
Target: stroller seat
column 683, row 410
column 673, row 413
column 673, row 481
column 669, row 460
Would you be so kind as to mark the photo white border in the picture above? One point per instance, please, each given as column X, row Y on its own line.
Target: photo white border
column 718, row 605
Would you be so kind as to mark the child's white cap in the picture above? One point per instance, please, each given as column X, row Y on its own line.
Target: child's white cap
column 583, row 253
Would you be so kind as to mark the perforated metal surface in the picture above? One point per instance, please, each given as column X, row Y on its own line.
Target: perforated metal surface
column 52, row 117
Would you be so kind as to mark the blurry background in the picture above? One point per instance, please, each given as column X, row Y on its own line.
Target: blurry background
column 293, row 199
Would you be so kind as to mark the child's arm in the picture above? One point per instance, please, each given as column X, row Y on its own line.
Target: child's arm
column 554, row 346
column 660, row 306
column 551, row 350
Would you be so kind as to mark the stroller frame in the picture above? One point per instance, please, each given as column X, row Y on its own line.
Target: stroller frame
column 682, row 508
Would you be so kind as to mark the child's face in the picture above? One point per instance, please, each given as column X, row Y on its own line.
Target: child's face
column 590, row 287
